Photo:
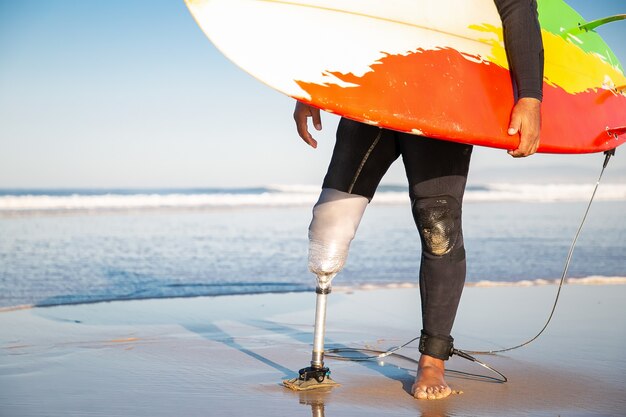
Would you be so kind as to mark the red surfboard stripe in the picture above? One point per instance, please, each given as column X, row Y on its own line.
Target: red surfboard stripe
column 468, row 96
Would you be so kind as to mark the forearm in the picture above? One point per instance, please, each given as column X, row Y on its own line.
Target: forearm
column 522, row 40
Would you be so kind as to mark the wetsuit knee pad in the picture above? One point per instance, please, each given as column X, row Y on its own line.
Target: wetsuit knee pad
column 440, row 347
column 439, row 222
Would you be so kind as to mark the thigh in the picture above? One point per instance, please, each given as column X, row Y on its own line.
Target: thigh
column 435, row 167
column 361, row 156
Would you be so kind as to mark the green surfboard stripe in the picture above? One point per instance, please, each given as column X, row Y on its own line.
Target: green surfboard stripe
column 558, row 18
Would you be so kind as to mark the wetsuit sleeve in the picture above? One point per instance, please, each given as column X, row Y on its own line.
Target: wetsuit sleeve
column 524, row 47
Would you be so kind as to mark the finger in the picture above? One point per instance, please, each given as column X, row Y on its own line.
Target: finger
column 527, row 146
column 317, row 119
column 515, row 124
column 514, row 128
column 521, row 151
column 533, row 148
column 303, row 132
column 310, row 141
column 529, row 139
column 536, row 141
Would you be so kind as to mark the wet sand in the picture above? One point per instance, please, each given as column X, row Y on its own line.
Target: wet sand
column 215, row 356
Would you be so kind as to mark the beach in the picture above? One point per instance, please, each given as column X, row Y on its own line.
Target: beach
column 227, row 355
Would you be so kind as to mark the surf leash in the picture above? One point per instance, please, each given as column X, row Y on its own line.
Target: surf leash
column 607, row 157
column 375, row 354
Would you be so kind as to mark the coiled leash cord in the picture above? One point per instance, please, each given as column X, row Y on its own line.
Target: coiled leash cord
column 467, row 354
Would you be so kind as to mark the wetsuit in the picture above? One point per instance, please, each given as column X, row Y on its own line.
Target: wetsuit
column 437, row 173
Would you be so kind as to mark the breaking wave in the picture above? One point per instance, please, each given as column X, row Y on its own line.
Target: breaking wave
column 61, row 200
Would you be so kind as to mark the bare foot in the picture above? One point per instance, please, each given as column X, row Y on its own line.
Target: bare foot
column 429, row 382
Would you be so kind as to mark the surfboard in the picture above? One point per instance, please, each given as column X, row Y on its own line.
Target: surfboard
column 437, row 69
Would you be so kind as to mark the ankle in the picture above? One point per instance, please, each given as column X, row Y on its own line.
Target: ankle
column 426, row 361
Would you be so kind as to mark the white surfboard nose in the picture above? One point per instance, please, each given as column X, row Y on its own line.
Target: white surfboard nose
column 278, row 42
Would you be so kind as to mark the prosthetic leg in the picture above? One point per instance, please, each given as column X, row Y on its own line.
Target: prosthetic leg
column 336, row 217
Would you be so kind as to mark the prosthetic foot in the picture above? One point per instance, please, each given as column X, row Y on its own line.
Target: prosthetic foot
column 317, row 375
column 336, row 216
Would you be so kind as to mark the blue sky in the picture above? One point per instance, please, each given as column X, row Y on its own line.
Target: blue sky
column 131, row 94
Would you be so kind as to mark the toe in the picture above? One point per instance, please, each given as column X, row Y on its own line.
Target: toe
column 420, row 394
column 444, row 392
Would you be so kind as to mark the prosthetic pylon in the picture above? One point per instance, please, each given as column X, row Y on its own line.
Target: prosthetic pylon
column 317, row 375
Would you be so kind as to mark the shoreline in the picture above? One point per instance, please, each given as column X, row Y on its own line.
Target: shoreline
column 590, row 280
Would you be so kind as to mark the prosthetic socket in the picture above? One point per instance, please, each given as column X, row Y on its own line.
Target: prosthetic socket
column 336, row 217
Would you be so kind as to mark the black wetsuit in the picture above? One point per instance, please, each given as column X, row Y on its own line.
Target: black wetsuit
column 437, row 172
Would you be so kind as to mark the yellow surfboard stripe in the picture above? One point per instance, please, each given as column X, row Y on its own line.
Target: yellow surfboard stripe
column 567, row 66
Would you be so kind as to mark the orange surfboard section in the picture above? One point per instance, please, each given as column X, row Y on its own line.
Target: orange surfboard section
column 463, row 100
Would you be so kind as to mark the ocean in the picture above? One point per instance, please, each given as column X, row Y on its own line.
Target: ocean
column 87, row 245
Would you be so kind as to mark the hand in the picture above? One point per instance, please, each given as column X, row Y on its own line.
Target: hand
column 526, row 120
column 301, row 114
